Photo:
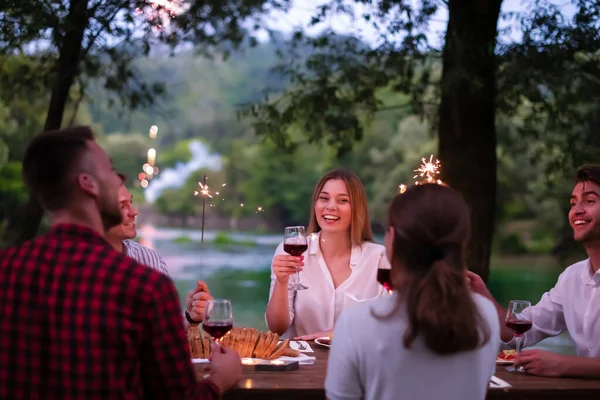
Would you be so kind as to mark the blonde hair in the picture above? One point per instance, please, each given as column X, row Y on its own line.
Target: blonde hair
column 360, row 224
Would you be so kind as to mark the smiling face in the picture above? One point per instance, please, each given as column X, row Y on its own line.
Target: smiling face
column 125, row 230
column 332, row 208
column 584, row 215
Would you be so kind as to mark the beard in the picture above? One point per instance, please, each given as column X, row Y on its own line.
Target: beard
column 108, row 205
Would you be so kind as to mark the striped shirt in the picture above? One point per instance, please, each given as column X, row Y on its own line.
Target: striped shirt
column 146, row 256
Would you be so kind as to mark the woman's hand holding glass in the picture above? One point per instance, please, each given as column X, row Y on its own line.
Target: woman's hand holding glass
column 286, row 265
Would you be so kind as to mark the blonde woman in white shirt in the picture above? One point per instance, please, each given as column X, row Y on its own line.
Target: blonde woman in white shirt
column 339, row 268
column 432, row 338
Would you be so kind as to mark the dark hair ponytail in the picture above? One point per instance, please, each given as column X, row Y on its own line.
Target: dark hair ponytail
column 431, row 227
column 440, row 308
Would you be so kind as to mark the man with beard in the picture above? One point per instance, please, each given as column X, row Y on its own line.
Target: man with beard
column 119, row 236
column 78, row 319
column 573, row 305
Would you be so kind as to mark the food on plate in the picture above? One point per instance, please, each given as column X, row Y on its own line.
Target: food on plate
column 507, row 355
column 326, row 340
column 248, row 342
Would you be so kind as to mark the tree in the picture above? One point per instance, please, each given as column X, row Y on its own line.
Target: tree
column 77, row 37
column 334, row 91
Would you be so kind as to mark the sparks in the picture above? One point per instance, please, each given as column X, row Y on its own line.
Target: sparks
column 402, row 188
column 428, row 169
column 203, row 190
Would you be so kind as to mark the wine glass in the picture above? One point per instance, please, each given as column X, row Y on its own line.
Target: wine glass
column 218, row 318
column 519, row 325
column 384, row 277
column 295, row 244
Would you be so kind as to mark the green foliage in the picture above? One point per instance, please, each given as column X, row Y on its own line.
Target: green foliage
column 222, row 239
column 128, row 151
column 179, row 153
column 182, row 240
column 13, row 195
column 512, row 243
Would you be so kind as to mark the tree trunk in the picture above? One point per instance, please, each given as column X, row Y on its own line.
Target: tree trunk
column 68, row 62
column 466, row 131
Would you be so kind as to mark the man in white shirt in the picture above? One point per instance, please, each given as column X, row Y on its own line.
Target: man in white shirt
column 120, row 239
column 574, row 303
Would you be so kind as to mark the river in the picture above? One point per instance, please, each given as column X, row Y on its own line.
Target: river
column 236, row 266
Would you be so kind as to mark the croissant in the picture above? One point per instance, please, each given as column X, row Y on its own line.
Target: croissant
column 247, row 342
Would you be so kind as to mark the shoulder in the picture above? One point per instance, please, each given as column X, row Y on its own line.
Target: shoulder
column 488, row 310
column 141, row 279
column 142, row 254
column 576, row 270
column 133, row 245
column 373, row 248
column 365, row 311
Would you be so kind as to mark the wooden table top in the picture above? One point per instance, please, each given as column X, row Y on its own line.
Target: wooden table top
column 308, row 383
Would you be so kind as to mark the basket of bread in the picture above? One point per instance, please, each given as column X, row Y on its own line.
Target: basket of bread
column 247, row 342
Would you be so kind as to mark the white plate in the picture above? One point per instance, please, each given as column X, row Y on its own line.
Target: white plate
column 320, row 341
column 503, row 362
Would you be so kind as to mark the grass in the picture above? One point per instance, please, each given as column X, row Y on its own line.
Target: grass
column 223, row 239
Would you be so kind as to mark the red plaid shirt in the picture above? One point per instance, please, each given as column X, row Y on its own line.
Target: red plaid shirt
column 79, row 320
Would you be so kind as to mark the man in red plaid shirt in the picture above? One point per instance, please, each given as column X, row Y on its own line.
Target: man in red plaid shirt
column 79, row 320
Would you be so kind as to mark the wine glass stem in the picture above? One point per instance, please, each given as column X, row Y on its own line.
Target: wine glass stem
column 518, row 341
column 518, row 345
column 297, row 275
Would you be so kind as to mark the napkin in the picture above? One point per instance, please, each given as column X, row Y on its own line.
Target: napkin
column 302, row 359
column 295, row 344
column 497, row 383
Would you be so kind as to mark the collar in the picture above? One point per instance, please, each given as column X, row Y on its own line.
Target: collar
column 314, row 248
column 79, row 232
column 588, row 276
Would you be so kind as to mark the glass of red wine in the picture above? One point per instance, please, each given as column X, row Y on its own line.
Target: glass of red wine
column 519, row 324
column 218, row 318
column 295, row 243
column 384, row 277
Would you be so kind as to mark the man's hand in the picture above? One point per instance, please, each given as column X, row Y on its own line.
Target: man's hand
column 195, row 301
column 226, row 367
column 541, row 363
column 313, row 336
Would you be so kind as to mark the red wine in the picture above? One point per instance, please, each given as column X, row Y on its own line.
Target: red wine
column 384, row 277
column 518, row 326
column 217, row 329
column 295, row 249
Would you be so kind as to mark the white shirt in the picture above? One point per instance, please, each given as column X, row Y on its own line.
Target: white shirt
column 368, row 359
column 318, row 307
column 144, row 255
column 572, row 305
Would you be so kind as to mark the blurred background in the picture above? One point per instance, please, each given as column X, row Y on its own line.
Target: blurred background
column 264, row 96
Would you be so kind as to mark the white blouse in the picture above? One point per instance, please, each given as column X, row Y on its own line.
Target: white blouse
column 318, row 307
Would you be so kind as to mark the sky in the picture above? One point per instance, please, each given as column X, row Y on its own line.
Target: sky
column 303, row 10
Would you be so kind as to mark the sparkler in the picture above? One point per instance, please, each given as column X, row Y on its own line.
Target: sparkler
column 204, row 191
column 427, row 170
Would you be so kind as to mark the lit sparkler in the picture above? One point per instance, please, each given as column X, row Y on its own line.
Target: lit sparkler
column 428, row 170
column 204, row 191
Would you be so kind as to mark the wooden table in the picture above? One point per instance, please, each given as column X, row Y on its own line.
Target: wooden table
column 308, row 381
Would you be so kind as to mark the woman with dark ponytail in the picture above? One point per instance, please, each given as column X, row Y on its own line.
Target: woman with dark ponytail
column 433, row 338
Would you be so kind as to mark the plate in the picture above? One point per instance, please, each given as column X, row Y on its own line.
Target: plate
column 323, row 341
column 502, row 361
